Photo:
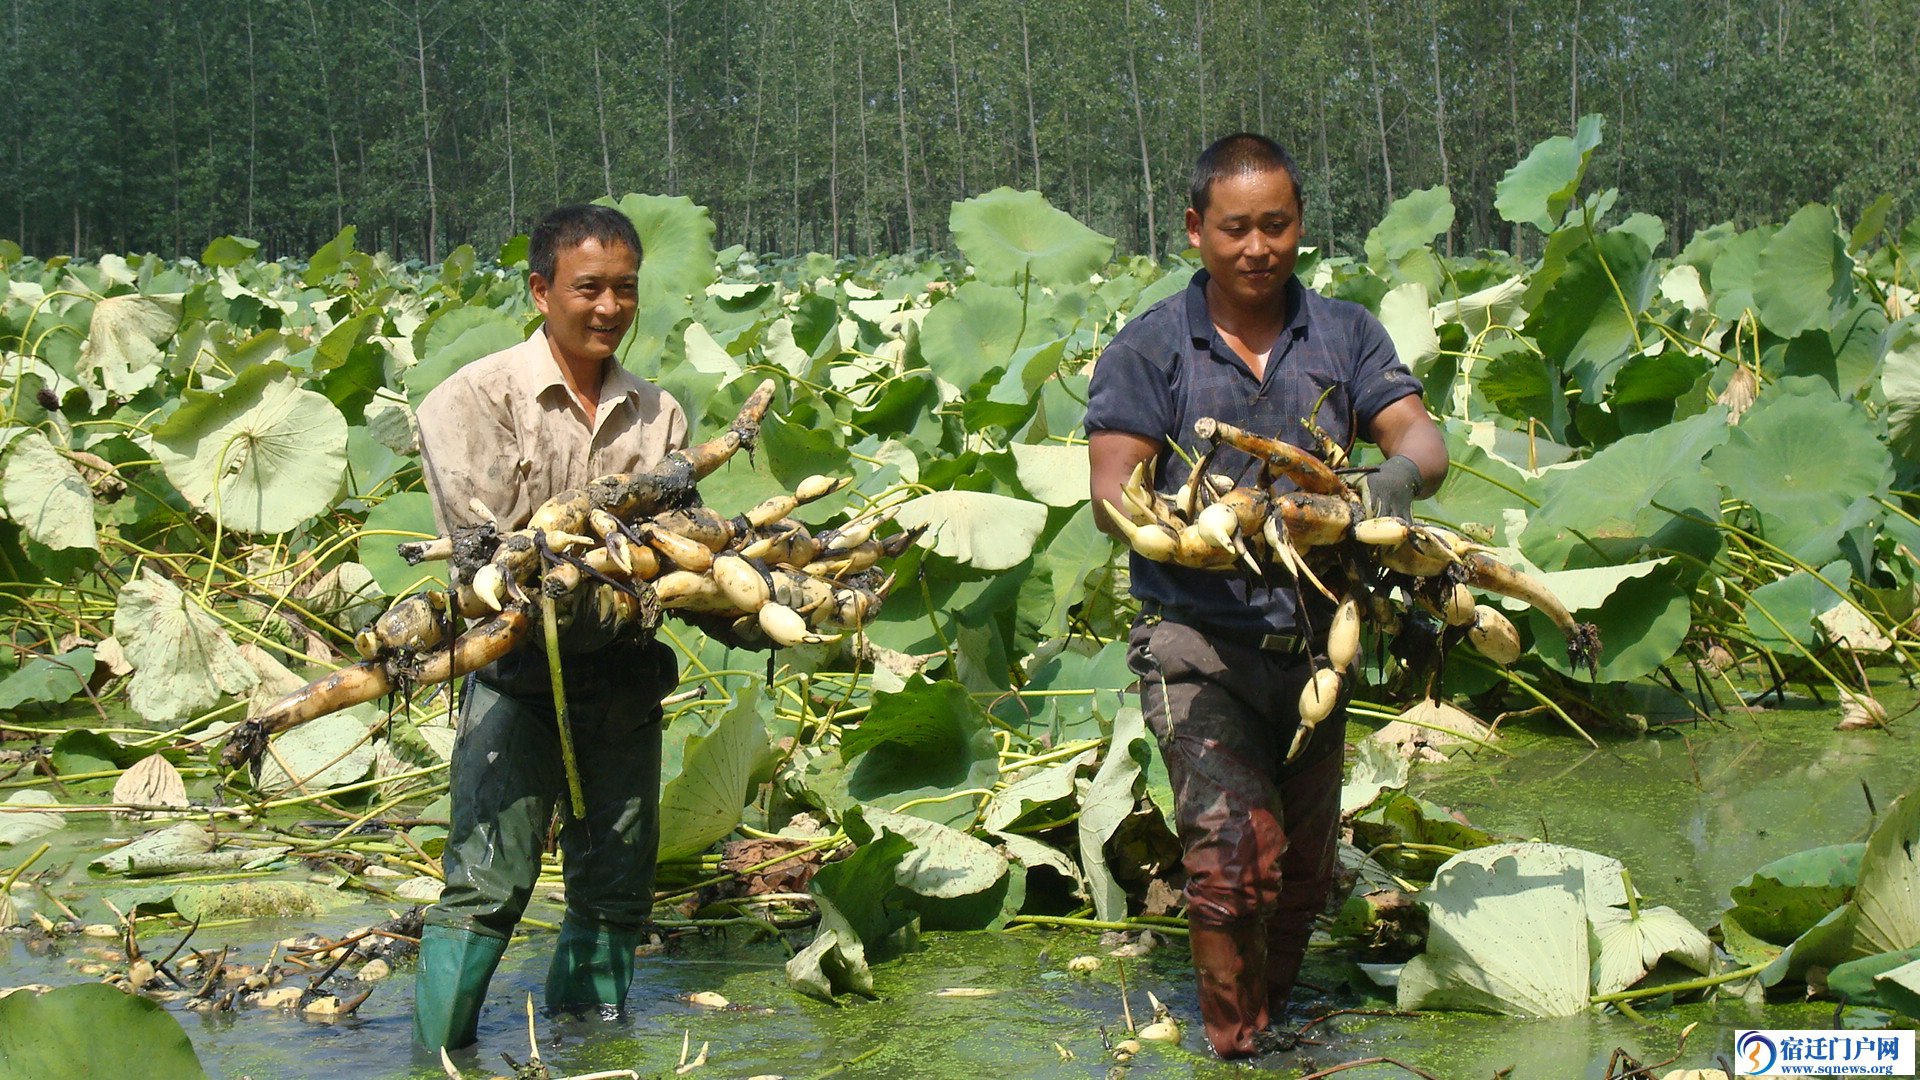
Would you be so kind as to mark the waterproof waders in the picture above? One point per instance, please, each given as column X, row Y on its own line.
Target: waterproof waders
column 507, row 779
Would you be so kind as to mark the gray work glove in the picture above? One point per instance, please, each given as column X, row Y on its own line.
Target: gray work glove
column 1389, row 490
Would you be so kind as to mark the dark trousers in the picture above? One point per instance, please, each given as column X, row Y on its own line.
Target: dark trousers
column 507, row 776
column 1258, row 835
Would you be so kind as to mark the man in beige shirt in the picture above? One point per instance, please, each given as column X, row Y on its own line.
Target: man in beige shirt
column 498, row 438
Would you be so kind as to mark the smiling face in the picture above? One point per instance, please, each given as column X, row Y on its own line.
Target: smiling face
column 1249, row 237
column 590, row 302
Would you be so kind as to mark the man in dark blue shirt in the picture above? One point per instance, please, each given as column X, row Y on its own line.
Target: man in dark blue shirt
column 1222, row 657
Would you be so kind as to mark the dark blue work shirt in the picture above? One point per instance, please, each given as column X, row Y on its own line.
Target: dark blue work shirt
column 1169, row 367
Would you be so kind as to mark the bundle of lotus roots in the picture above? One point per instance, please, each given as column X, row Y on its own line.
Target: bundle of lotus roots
column 1321, row 533
column 632, row 546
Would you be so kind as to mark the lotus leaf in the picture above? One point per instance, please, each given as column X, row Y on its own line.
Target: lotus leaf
column 1630, row 943
column 1408, row 318
column 1643, row 623
column 676, row 242
column 945, row 862
column 406, row 516
column 1375, row 769
column 122, row 354
column 1803, row 459
column 977, row 528
column 1786, row 897
column 46, row 495
column 1106, row 804
column 255, row 900
column 228, row 251
column 979, row 329
column 182, row 660
column 1010, row 234
column 1038, row 798
column 1805, row 276
column 324, row 753
column 1539, row 189
column 702, row 804
column 1900, row 384
column 18, row 827
column 1848, row 357
column 261, row 456
column 1410, row 223
column 178, row 848
column 47, row 680
column 1732, row 271
column 1787, row 611
column 1899, row 989
column 1507, row 933
column 863, row 919
column 708, row 356
column 1055, row 475
column 1104, row 677
column 930, row 739
column 92, row 1029
column 1587, row 320
column 457, row 337
column 1857, row 982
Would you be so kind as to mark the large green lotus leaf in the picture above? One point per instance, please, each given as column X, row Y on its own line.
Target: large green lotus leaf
column 1102, row 677
column 1007, row 234
column 978, row 329
column 1805, row 276
column 976, row 528
column 944, row 862
column 1610, row 499
column 1522, row 385
column 928, row 740
column 1403, row 819
column 123, row 347
column 46, row 495
column 1586, row 589
column 1785, row 898
column 1410, row 223
column 1646, row 388
column 18, row 826
column 227, row 251
column 1540, row 188
column 182, row 660
column 1582, row 322
column 455, row 338
column 47, row 680
column 399, row 518
column 702, row 804
column 328, row 752
column 92, row 1029
column 1642, row 622
column 1037, row 798
column 1785, row 611
column 261, row 456
column 1858, row 982
column 1631, row 943
column 790, row 449
column 709, row 357
column 1507, row 933
column 1731, row 273
column 1847, row 357
column 1888, row 897
column 1899, row 989
column 1803, row 459
column 676, row 243
column 864, row 918
column 1746, row 947
column 1056, row 475
column 1078, row 550
column 1107, row 803
column 1408, row 318
column 184, row 847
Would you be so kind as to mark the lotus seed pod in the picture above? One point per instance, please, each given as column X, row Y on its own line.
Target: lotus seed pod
column 1493, row 634
column 1343, row 636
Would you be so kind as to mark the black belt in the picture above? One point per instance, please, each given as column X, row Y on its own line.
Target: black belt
column 1287, row 644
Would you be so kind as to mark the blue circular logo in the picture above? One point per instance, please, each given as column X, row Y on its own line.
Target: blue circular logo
column 1756, row 1053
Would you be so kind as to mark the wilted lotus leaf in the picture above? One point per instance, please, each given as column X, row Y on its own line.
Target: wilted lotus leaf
column 19, row 827
column 944, row 862
column 702, row 804
column 860, row 922
column 327, row 752
column 1631, row 943
column 1900, row 988
column 46, row 495
column 262, row 456
column 122, row 352
column 152, row 781
column 978, row 528
column 1009, row 234
column 183, row 661
column 182, row 847
column 1507, row 934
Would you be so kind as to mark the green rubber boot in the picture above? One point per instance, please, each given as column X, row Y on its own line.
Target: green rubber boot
column 592, row 966
column 455, row 967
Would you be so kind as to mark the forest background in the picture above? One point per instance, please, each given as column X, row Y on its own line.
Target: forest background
column 847, row 126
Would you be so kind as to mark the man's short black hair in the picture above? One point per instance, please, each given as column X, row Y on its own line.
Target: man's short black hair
column 571, row 226
column 1236, row 155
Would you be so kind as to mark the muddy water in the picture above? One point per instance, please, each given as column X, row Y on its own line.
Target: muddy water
column 1690, row 811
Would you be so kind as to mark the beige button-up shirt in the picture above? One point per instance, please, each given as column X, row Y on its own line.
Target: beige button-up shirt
column 505, row 430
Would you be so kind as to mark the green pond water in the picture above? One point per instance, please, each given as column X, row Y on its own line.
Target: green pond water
column 1691, row 811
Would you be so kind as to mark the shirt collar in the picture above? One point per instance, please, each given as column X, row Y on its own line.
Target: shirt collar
column 1200, row 324
column 539, row 373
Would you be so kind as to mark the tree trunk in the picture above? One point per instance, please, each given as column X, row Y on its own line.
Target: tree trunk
column 600, row 112
column 1440, row 108
column 426, row 137
column 1573, row 73
column 1026, row 69
column 753, row 145
column 833, row 128
column 1200, row 66
column 793, row 50
column 900, row 100
column 673, row 173
column 959, row 119
column 326, row 97
column 1379, row 98
column 865, row 224
column 1259, row 68
column 1140, row 126
column 253, row 126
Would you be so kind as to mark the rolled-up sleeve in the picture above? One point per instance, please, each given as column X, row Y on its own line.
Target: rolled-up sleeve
column 1129, row 393
column 1379, row 377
